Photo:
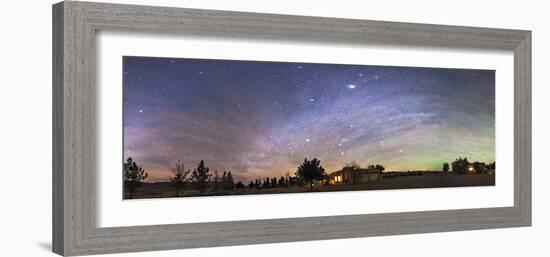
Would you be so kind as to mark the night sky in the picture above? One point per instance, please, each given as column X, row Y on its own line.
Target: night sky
column 263, row 118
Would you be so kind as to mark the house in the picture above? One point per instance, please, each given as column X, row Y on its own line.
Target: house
column 351, row 175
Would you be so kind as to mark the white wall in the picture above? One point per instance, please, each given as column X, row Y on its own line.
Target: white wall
column 25, row 130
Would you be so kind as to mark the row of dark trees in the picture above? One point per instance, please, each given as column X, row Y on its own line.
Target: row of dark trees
column 354, row 165
column 308, row 172
column 201, row 177
column 463, row 166
column 134, row 175
column 274, row 182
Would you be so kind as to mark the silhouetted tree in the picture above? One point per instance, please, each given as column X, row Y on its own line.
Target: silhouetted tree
column 479, row 167
column 282, row 182
column 492, row 166
column 257, row 184
column 224, row 178
column 274, row 182
column 228, row 182
column 445, row 167
column 266, row 183
column 239, row 185
column 290, row 181
column 216, row 181
column 179, row 178
column 294, row 181
column 200, row 177
column 251, row 185
column 310, row 170
column 460, row 166
column 133, row 175
column 301, row 182
column 354, row 165
column 376, row 166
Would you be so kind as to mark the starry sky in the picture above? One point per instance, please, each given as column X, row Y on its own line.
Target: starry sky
column 263, row 118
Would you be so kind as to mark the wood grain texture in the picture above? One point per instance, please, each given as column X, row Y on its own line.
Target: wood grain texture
column 75, row 25
column 522, row 128
column 58, row 230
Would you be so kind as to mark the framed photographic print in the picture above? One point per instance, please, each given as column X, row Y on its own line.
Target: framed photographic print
column 183, row 128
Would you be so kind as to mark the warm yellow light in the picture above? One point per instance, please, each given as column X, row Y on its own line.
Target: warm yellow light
column 471, row 168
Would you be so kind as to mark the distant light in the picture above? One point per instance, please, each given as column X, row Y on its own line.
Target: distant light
column 307, row 140
column 312, row 100
column 351, row 86
column 140, row 110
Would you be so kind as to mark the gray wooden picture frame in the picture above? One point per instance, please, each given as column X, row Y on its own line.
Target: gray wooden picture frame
column 75, row 25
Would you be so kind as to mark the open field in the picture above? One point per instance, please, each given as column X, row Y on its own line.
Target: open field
column 166, row 189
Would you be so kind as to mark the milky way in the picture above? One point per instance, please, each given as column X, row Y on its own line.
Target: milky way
column 263, row 118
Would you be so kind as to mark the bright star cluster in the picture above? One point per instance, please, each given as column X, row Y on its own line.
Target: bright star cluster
column 263, row 118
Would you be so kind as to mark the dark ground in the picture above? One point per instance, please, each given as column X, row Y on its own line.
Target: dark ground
column 166, row 189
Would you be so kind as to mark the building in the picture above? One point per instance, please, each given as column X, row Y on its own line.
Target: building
column 350, row 175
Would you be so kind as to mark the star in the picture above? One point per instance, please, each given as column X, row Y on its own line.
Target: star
column 351, row 86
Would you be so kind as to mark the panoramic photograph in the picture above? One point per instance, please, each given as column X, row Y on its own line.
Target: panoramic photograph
column 207, row 127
